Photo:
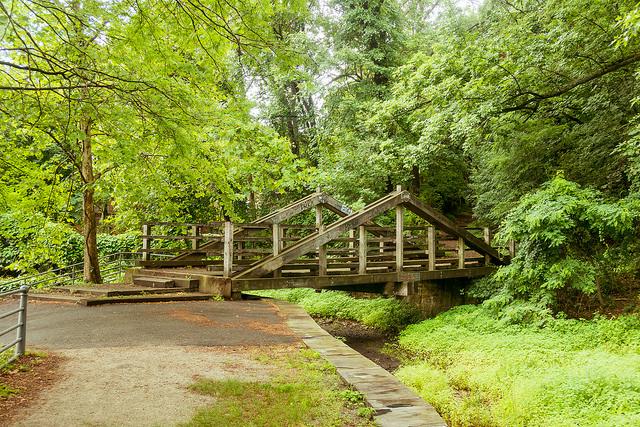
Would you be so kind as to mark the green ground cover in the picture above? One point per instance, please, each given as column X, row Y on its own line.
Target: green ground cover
column 307, row 392
column 480, row 370
column 383, row 313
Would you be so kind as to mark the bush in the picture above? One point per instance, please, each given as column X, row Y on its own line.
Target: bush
column 31, row 242
column 478, row 369
column 568, row 238
column 386, row 314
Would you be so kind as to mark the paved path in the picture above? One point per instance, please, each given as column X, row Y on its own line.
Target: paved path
column 131, row 364
column 210, row 323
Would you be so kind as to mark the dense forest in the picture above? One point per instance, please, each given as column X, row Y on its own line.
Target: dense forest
column 523, row 113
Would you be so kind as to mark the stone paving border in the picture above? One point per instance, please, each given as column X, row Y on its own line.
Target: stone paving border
column 395, row 404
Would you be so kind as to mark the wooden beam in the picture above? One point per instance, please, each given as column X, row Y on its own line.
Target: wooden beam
column 442, row 222
column 487, row 239
column 322, row 249
column 228, row 249
column 399, row 237
column 460, row 252
column 362, row 250
column 240, row 285
column 432, row 247
column 195, row 232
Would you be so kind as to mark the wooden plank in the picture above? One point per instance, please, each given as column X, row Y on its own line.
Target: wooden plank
column 362, row 250
column 399, row 237
column 228, row 249
column 322, row 249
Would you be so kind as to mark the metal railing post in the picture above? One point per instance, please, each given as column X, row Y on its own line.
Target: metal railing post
column 22, row 322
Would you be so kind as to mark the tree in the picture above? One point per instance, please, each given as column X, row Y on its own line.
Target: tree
column 95, row 88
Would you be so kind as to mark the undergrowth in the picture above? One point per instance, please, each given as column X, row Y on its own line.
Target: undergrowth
column 480, row 370
column 386, row 314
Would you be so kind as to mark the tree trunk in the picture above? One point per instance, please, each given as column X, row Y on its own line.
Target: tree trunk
column 89, row 222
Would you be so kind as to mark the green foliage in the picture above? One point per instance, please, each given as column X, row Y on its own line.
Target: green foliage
column 568, row 237
column 477, row 369
column 382, row 313
column 32, row 243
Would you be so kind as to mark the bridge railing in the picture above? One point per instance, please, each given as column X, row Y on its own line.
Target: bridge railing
column 229, row 248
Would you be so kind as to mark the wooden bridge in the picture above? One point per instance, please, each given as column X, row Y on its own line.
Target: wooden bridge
column 349, row 252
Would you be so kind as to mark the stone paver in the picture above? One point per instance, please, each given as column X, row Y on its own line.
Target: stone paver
column 394, row 403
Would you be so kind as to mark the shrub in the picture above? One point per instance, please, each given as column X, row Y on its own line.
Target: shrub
column 31, row 242
column 568, row 238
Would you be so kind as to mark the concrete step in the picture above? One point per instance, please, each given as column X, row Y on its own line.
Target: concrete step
column 154, row 282
column 188, row 296
column 54, row 298
column 186, row 283
column 113, row 292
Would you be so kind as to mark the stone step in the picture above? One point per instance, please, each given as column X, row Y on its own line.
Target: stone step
column 154, row 282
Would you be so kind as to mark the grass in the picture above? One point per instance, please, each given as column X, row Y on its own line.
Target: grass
column 480, row 371
column 386, row 314
column 307, row 392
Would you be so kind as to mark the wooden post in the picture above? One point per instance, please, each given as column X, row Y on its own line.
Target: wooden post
column 460, row 252
column 276, row 231
column 322, row 250
column 227, row 267
column 195, row 232
column 399, row 237
column 352, row 236
column 146, row 242
column 362, row 250
column 487, row 240
column 431, row 247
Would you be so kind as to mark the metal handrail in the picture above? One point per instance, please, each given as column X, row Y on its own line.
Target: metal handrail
column 21, row 327
column 112, row 267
